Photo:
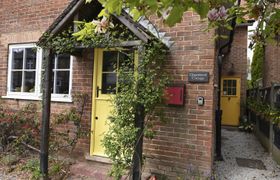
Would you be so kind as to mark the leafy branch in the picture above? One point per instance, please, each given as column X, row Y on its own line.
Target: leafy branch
column 143, row 86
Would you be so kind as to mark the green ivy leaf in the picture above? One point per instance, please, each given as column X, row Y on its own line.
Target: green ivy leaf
column 114, row 6
column 175, row 15
column 201, row 8
column 136, row 14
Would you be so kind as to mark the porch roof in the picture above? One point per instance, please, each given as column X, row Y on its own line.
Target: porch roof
column 142, row 28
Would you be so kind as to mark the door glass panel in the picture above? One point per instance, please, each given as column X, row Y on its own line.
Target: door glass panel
column 225, row 83
column 110, row 59
column 112, row 62
column 109, row 81
column 126, row 60
column 229, row 87
column 234, row 84
column 229, row 91
column 234, row 91
column 229, row 83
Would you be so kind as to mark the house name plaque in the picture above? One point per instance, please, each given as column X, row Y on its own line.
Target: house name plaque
column 198, row 77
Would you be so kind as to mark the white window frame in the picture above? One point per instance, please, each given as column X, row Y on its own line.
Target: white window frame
column 36, row 95
column 63, row 97
column 24, row 95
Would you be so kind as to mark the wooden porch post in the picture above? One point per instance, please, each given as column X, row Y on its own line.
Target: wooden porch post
column 139, row 123
column 137, row 158
column 46, row 101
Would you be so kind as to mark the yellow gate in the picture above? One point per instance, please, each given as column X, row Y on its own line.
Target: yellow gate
column 230, row 100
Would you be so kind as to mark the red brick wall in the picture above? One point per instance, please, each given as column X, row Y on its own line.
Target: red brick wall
column 271, row 69
column 29, row 15
column 25, row 22
column 235, row 64
column 187, row 139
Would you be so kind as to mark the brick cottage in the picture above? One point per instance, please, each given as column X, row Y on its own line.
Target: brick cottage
column 188, row 140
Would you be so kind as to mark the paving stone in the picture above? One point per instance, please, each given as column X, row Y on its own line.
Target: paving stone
column 250, row 163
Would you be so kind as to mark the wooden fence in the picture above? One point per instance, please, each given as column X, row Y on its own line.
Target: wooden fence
column 267, row 133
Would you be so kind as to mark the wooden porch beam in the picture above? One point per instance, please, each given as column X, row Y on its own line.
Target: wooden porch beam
column 67, row 17
column 121, row 44
column 132, row 27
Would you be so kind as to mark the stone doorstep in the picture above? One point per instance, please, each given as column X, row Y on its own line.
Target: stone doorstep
column 230, row 128
column 99, row 159
column 90, row 170
column 95, row 168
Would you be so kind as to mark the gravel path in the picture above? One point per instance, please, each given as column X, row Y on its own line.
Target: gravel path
column 243, row 145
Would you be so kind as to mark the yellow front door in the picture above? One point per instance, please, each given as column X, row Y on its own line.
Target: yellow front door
column 106, row 63
column 230, row 100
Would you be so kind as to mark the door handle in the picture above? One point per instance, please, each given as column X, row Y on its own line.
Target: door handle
column 97, row 91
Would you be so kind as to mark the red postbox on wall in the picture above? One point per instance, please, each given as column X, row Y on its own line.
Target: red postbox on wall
column 175, row 95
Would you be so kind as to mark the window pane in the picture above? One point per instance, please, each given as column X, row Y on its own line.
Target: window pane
column 225, row 87
column 63, row 61
column 225, row 83
column 52, row 83
column 234, row 91
column 30, row 58
column 126, row 60
column 16, row 81
column 109, row 61
column 109, row 83
column 29, row 82
column 229, row 83
column 17, row 58
column 234, row 83
column 53, row 64
column 62, row 82
column 229, row 91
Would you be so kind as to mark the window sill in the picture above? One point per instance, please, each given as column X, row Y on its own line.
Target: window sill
column 36, row 98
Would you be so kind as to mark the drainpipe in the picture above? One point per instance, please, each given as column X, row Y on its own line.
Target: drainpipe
column 218, row 117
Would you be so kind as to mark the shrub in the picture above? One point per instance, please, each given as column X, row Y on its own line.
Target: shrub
column 257, row 63
column 18, row 127
column 20, row 132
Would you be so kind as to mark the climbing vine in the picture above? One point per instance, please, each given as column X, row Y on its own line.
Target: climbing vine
column 141, row 82
column 143, row 86
column 88, row 35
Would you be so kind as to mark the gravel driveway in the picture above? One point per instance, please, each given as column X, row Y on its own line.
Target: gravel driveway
column 237, row 144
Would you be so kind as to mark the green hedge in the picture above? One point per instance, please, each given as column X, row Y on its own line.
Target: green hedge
column 257, row 64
